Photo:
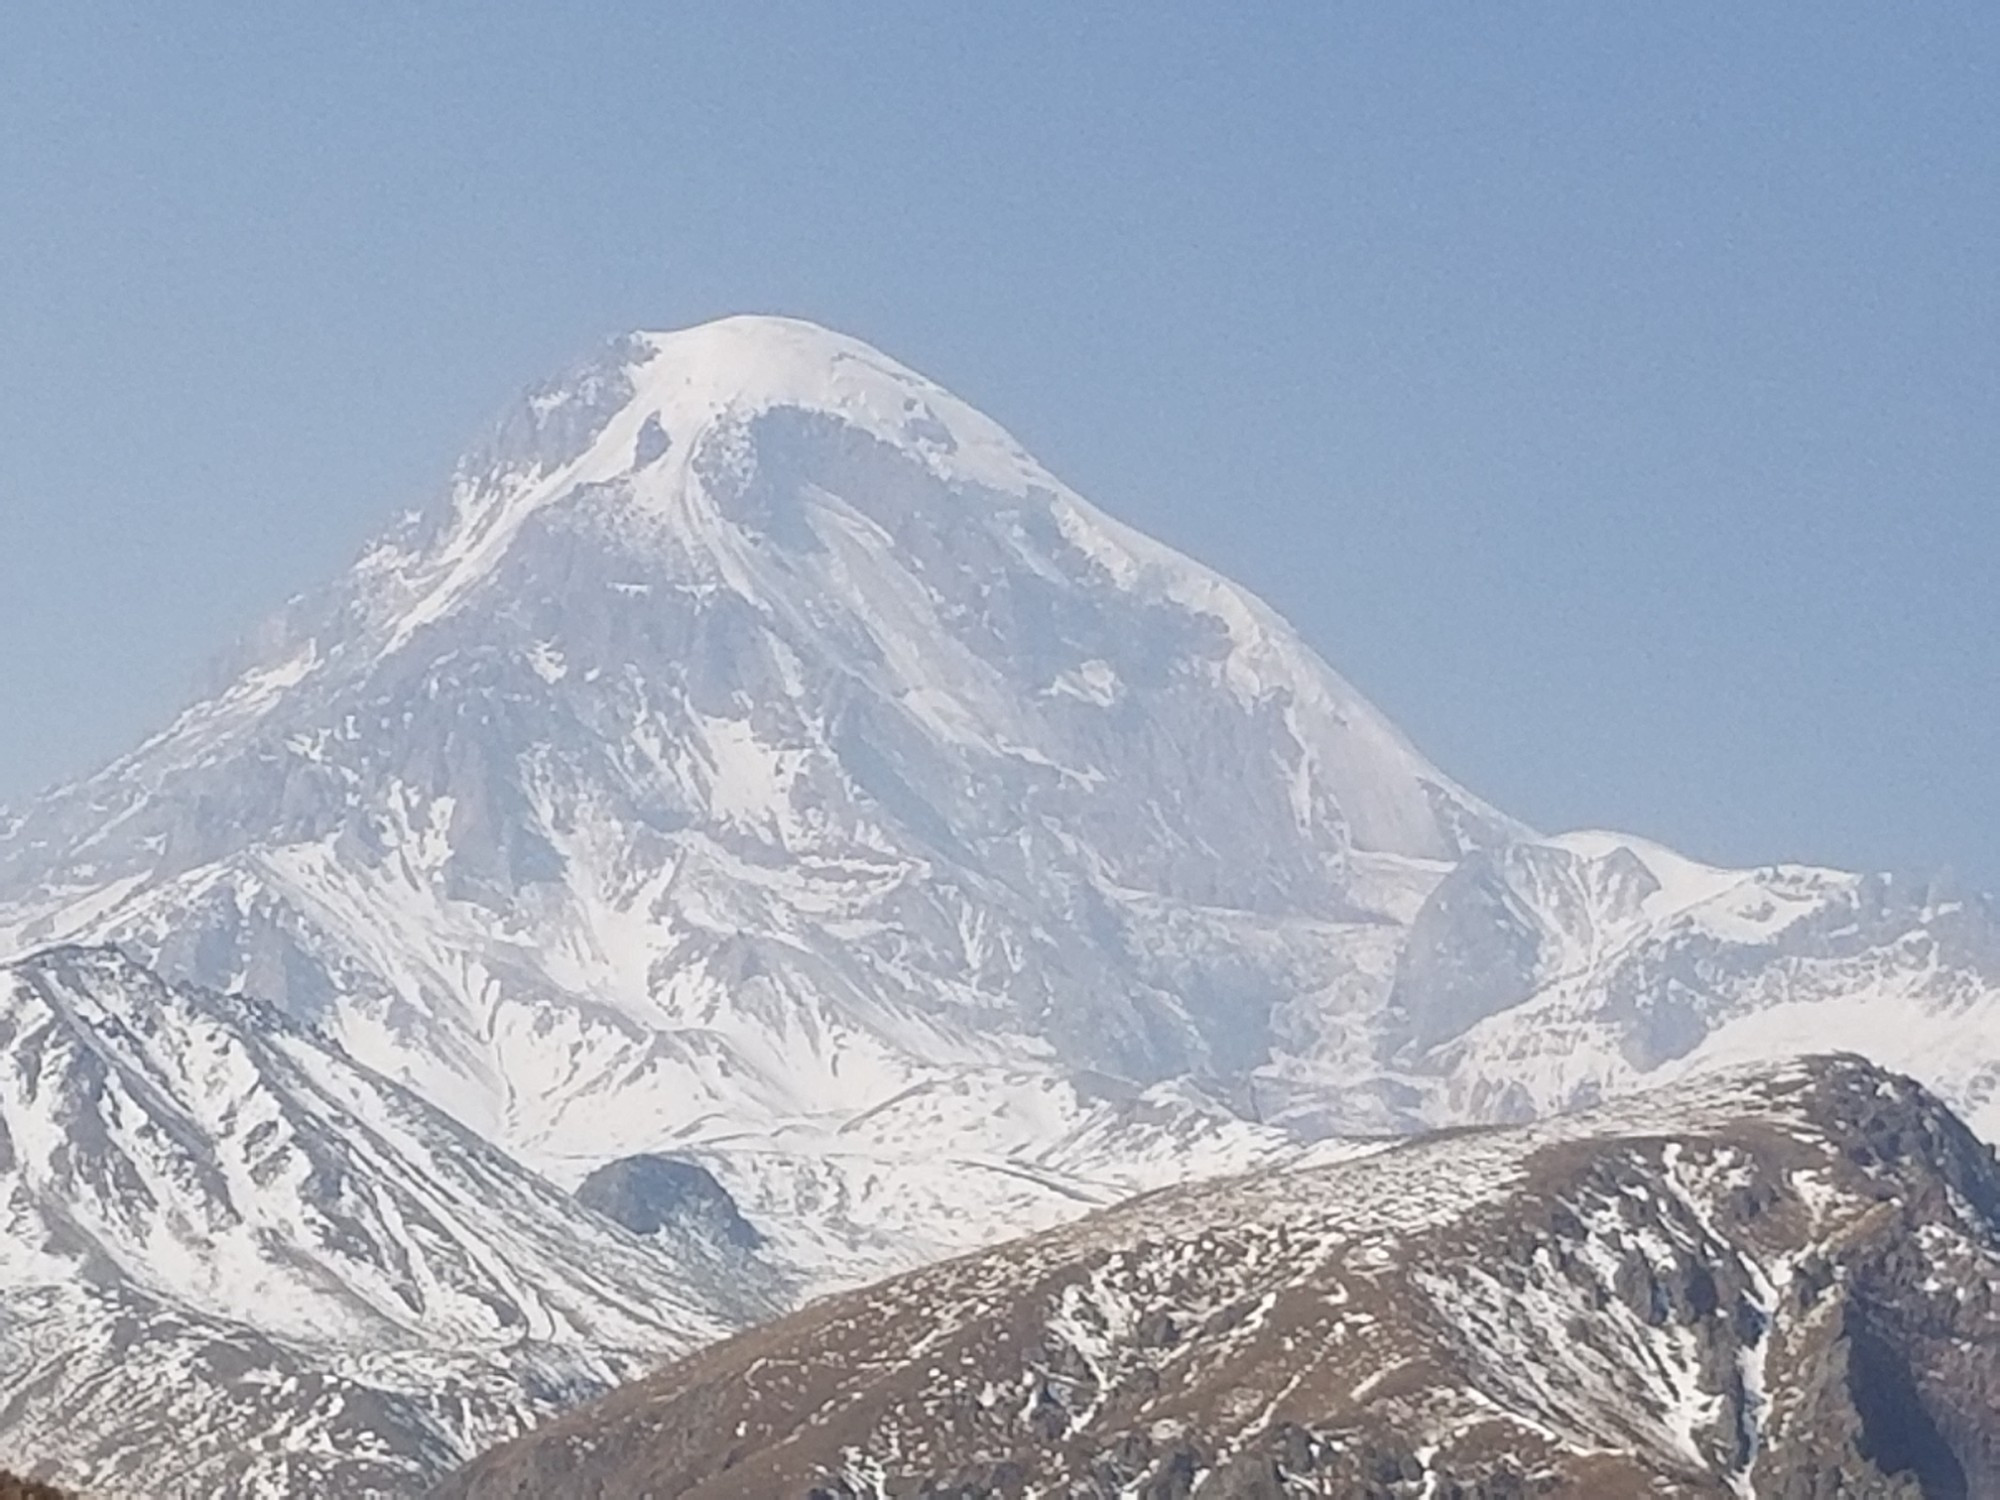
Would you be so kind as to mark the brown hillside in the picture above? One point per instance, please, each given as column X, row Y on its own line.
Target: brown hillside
column 1779, row 1282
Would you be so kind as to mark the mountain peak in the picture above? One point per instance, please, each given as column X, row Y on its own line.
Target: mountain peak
column 757, row 359
column 347, row 1286
column 750, row 363
column 656, row 430
column 648, row 394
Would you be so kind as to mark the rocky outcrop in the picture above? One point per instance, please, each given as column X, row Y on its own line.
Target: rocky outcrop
column 1778, row 1282
column 649, row 1193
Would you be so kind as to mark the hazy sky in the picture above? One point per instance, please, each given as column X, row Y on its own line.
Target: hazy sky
column 1612, row 392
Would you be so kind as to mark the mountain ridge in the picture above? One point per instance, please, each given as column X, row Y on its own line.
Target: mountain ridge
column 754, row 759
column 1775, row 1281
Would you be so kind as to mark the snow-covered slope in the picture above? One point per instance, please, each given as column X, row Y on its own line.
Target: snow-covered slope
column 755, row 756
column 1770, row 1282
column 234, row 1261
column 1547, row 976
column 754, row 736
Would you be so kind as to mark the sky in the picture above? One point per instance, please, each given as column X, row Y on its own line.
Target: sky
column 1612, row 393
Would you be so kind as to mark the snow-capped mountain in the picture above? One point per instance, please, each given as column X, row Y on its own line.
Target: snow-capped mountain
column 234, row 1261
column 755, row 757
column 753, row 735
column 1773, row 1282
column 754, row 752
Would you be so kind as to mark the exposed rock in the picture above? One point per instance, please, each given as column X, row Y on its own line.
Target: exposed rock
column 12, row 1487
column 1776, row 1282
column 649, row 1193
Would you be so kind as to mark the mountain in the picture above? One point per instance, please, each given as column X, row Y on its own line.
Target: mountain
column 756, row 789
column 1776, row 1282
column 235, row 1261
column 754, row 755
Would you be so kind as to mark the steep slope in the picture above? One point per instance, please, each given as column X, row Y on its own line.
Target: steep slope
column 752, row 737
column 233, row 1261
column 1777, row 1282
column 755, row 758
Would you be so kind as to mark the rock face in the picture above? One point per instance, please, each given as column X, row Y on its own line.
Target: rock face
column 235, row 1262
column 1779, row 1282
column 648, row 1194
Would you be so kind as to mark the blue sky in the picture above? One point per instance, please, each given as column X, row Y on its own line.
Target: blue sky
column 1612, row 392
